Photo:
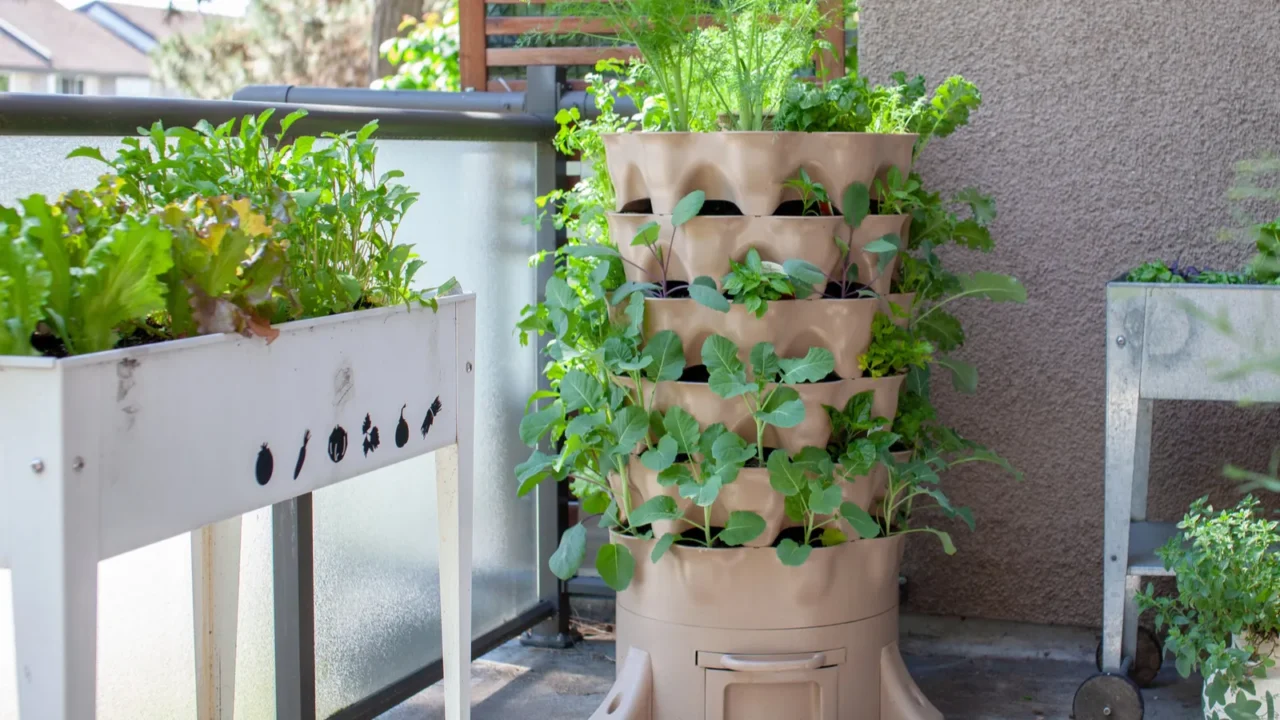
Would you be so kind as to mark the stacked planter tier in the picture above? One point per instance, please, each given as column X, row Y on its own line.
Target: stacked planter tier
column 732, row 633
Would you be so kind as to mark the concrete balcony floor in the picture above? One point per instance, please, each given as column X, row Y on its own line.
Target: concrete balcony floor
column 969, row 669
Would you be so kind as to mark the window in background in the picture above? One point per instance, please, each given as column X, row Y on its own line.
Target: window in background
column 71, row 85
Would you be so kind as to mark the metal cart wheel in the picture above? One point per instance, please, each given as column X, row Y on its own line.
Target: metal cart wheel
column 1148, row 660
column 1108, row 696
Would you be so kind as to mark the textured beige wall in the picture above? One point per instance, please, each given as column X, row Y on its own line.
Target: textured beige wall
column 1107, row 136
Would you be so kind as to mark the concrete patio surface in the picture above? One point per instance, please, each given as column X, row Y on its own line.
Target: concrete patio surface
column 970, row 670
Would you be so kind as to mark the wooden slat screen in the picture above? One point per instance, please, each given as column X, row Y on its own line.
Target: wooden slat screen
column 476, row 57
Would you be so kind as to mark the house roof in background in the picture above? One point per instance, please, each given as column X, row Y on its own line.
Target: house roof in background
column 73, row 40
column 159, row 23
column 14, row 55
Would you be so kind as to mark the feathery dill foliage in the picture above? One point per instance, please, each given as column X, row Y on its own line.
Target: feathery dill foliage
column 715, row 63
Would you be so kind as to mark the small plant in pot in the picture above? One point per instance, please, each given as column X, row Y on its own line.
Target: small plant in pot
column 1224, row 619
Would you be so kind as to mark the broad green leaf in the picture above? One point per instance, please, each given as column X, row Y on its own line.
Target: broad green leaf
column 616, row 566
column 86, row 151
column 709, row 297
column 731, row 449
column 727, row 385
column 784, row 476
column 584, row 423
column 993, row 286
column 567, row 558
column 948, row 546
column 743, row 527
column 579, row 390
column 596, row 503
column 533, row 427
column 667, row 355
column 120, row 282
column 661, row 456
column 589, row 251
column 629, row 288
column 825, row 501
column 804, row 273
column 814, row 366
column 964, row 376
column 683, row 428
column 942, row 329
column 856, row 204
column 982, row 206
column 533, row 471
column 866, row 526
column 688, row 208
column 710, row 435
column 661, row 547
column 707, row 492
column 559, row 295
column 764, row 361
column 657, row 508
column 720, row 354
column 629, row 426
column 675, row 475
column 647, row 234
column 783, row 409
column 886, row 244
column 792, row 553
column 833, row 536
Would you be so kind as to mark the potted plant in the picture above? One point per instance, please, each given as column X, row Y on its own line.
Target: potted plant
column 1224, row 619
column 731, row 330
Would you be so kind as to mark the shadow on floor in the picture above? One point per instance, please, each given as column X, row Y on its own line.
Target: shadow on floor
column 518, row 683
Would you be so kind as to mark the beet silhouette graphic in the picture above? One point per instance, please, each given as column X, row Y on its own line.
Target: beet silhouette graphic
column 266, row 465
column 337, row 444
column 302, row 454
column 431, row 416
column 402, row 430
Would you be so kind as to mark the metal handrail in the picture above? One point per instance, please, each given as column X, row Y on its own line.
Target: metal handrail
column 79, row 115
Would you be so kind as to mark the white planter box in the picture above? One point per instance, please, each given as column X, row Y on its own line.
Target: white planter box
column 105, row 453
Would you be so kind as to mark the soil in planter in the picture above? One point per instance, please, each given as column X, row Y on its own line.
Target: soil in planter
column 795, row 208
column 754, row 462
column 850, row 292
column 715, row 208
column 695, row 374
column 50, row 345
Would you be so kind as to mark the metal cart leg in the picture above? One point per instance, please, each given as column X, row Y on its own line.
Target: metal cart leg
column 1128, row 451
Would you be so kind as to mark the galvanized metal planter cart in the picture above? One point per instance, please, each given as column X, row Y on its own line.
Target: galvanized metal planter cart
column 105, row 453
column 1164, row 342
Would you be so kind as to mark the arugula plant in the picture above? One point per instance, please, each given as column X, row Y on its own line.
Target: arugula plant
column 1228, row 576
column 648, row 236
column 700, row 463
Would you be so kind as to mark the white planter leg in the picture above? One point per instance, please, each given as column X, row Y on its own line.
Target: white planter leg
column 454, row 500
column 55, row 583
column 215, row 580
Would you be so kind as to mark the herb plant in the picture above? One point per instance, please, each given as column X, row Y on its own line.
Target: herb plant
column 813, row 195
column 894, row 350
column 1228, row 576
column 755, row 284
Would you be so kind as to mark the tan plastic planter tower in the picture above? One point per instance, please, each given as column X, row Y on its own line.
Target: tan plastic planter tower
column 733, row 634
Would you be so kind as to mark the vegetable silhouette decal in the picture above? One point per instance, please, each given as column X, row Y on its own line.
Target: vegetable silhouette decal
column 337, row 444
column 402, row 429
column 431, row 416
column 266, row 464
column 302, row 454
column 371, row 440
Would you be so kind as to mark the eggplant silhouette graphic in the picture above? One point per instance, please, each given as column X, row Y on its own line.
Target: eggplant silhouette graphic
column 402, row 430
column 266, row 465
column 337, row 444
column 431, row 416
column 302, row 454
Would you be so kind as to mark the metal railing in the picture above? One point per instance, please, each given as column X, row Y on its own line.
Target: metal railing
column 478, row 159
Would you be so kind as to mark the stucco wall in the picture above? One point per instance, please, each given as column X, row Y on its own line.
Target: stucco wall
column 1107, row 135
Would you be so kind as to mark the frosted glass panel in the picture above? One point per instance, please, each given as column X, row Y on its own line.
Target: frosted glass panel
column 8, row 675
column 146, row 654
column 37, row 165
column 377, row 601
column 255, row 634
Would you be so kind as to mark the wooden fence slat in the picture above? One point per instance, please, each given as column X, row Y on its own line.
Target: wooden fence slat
column 519, row 57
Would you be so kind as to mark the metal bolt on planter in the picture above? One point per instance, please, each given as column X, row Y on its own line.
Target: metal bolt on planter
column 37, row 466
